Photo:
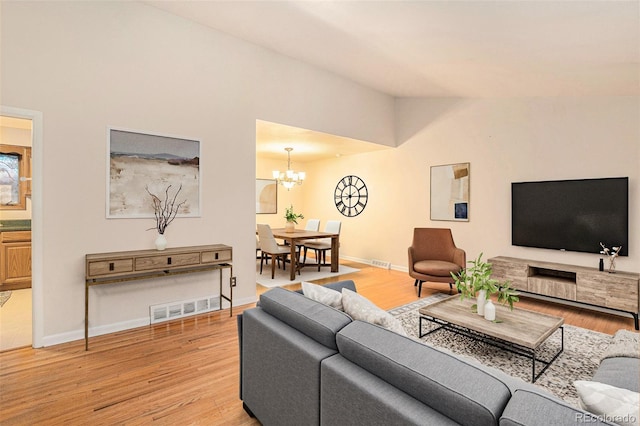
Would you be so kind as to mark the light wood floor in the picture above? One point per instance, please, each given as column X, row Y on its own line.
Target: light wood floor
column 181, row 372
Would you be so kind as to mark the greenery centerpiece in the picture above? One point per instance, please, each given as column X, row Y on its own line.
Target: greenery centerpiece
column 476, row 281
column 292, row 218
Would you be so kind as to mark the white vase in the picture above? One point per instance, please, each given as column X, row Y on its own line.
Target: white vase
column 161, row 242
column 481, row 300
column 489, row 311
column 289, row 227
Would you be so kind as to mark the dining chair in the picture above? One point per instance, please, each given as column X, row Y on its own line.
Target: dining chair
column 322, row 245
column 270, row 247
column 312, row 225
column 433, row 256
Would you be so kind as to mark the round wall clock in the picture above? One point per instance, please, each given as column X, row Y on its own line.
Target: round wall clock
column 351, row 196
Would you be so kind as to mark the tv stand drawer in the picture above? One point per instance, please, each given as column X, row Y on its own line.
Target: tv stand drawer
column 554, row 287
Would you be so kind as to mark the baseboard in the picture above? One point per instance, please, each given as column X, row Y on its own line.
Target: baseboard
column 70, row 336
column 369, row 262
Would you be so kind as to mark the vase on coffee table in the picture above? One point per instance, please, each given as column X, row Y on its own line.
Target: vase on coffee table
column 481, row 299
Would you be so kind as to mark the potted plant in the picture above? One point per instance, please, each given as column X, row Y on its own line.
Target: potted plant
column 476, row 281
column 292, row 219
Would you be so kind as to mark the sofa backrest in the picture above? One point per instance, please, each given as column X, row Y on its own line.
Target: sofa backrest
column 315, row 320
column 462, row 392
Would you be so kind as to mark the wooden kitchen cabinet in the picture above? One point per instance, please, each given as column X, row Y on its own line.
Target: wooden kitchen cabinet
column 15, row 260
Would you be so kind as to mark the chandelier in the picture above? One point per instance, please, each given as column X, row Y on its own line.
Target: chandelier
column 289, row 178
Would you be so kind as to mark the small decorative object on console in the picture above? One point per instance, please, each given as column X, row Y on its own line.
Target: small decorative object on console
column 165, row 212
column 611, row 254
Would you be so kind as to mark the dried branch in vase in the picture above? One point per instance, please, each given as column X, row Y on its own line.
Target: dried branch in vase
column 611, row 254
column 166, row 210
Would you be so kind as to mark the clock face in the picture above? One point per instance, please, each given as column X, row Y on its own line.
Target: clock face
column 351, row 196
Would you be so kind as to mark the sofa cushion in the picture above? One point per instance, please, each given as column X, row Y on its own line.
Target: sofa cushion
column 536, row 409
column 621, row 372
column 620, row 405
column 318, row 321
column 361, row 308
column 350, row 395
column 460, row 391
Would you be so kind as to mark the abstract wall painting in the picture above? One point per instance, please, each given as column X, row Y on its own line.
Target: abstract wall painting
column 143, row 163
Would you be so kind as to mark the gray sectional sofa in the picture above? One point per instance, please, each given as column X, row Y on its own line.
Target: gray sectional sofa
column 304, row 363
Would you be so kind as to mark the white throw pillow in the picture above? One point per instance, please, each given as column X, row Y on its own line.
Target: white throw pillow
column 322, row 294
column 361, row 308
column 613, row 404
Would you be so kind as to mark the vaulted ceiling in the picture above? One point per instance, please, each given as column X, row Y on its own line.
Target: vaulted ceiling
column 502, row 48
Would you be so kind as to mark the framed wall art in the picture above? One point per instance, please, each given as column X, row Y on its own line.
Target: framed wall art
column 450, row 192
column 140, row 164
column 266, row 196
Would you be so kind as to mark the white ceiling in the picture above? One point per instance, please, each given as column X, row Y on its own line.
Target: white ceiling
column 503, row 48
column 446, row 48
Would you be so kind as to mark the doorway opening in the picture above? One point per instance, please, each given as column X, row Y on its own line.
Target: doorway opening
column 20, row 276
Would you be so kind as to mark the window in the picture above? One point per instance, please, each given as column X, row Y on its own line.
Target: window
column 15, row 177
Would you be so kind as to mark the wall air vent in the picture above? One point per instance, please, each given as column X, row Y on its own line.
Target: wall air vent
column 381, row 264
column 173, row 310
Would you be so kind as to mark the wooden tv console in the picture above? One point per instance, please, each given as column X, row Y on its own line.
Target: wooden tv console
column 617, row 291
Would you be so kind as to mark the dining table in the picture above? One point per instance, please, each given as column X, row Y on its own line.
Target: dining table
column 298, row 236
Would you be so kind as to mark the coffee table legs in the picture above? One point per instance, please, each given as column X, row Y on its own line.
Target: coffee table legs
column 511, row 347
column 534, row 377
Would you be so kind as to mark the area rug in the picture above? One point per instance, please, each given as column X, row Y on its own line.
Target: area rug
column 308, row 273
column 581, row 356
column 4, row 296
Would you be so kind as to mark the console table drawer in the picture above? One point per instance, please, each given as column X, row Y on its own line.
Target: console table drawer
column 216, row 256
column 168, row 260
column 110, row 267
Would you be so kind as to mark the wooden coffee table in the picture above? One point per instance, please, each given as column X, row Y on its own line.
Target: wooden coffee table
column 519, row 331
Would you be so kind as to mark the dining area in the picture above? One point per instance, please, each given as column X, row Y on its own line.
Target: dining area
column 304, row 250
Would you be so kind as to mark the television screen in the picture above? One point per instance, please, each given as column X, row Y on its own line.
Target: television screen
column 573, row 215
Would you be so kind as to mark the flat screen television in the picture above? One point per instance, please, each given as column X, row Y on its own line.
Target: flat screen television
column 572, row 215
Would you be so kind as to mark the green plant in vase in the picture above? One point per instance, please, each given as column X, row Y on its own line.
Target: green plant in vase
column 292, row 218
column 476, row 281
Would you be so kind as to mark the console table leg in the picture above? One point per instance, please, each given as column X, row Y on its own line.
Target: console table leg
column 86, row 316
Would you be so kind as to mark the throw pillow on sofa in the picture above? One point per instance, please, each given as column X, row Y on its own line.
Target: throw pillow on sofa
column 361, row 308
column 322, row 294
column 616, row 405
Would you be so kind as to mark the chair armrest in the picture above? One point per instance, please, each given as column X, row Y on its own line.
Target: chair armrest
column 460, row 257
column 411, row 261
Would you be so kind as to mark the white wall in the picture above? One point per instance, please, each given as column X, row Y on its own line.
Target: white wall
column 505, row 140
column 90, row 65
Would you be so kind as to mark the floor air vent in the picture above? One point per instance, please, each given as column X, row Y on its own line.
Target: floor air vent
column 173, row 310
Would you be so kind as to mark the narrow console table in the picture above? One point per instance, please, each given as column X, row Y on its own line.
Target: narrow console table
column 619, row 291
column 119, row 267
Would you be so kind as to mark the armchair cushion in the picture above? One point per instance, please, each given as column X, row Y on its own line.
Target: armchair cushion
column 439, row 268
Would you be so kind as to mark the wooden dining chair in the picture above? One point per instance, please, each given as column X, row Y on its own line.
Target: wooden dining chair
column 270, row 247
column 322, row 245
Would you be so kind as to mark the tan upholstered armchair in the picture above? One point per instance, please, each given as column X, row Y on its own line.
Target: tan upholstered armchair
column 433, row 256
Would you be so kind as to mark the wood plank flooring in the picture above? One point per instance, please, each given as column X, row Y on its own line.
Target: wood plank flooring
column 183, row 372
